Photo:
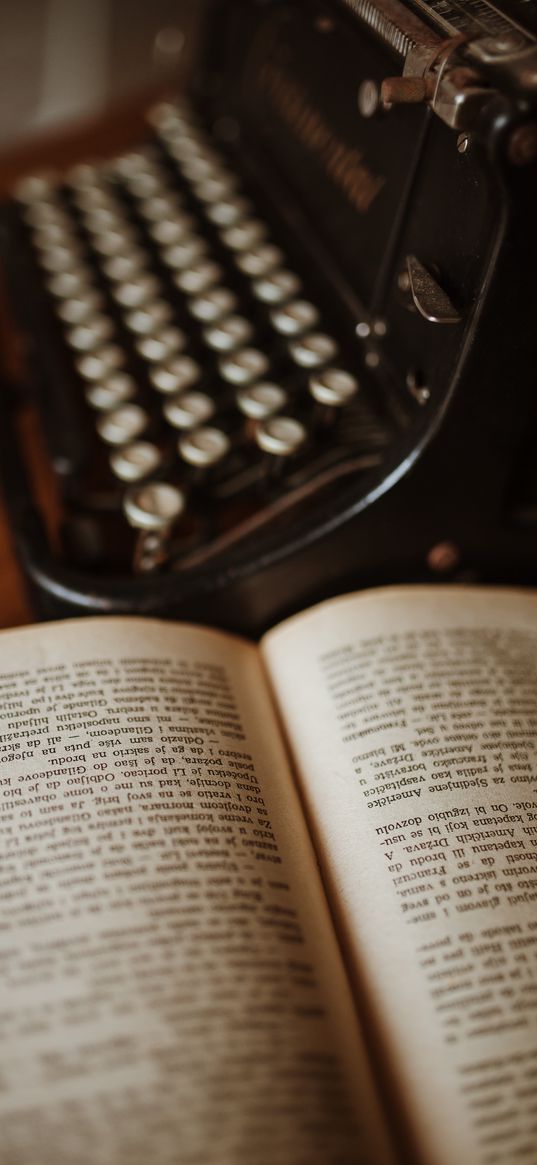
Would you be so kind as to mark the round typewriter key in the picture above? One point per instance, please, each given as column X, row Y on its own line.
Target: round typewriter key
column 187, row 410
column 153, row 506
column 201, row 168
column 279, row 437
column 183, row 147
column 198, row 278
column 163, row 114
column 277, row 287
column 333, row 387
column 176, row 375
column 296, row 317
column 145, row 320
column 313, row 350
column 57, row 259
column 121, row 268
column 229, row 211
column 123, row 424
column 145, row 185
column 137, row 292
column 80, row 307
column 41, row 214
column 95, row 198
column 204, row 447
column 64, row 284
column 103, row 219
column 244, row 366
column 135, row 461
column 34, row 188
column 97, row 365
column 52, row 234
column 134, row 163
column 183, row 142
column 116, row 389
column 214, row 305
column 261, row 400
column 160, row 206
column 215, row 189
column 83, row 175
column 183, row 254
column 172, row 229
column 89, row 335
column 244, row 235
column 152, row 509
column 260, row 260
column 227, row 335
column 161, row 346
column 110, row 243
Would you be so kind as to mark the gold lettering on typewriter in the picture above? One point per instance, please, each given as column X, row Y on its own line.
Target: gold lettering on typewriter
column 345, row 165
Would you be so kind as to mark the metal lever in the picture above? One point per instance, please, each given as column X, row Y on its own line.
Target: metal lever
column 429, row 298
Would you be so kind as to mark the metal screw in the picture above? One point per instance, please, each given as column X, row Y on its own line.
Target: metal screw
column 368, row 98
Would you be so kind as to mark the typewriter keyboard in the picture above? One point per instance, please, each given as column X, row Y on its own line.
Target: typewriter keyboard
column 204, row 388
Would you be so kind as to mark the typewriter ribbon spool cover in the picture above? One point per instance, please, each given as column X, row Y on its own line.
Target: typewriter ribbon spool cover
column 287, row 345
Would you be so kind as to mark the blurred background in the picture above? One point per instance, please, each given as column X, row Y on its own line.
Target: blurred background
column 62, row 60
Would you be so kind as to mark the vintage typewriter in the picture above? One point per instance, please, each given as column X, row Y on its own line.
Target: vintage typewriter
column 288, row 344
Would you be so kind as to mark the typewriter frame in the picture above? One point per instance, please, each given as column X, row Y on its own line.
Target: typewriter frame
column 458, row 452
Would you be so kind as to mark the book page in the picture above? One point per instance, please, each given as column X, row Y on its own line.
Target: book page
column 170, row 987
column 412, row 715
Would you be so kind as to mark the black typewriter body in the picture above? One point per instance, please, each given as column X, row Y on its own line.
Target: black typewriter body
column 288, row 345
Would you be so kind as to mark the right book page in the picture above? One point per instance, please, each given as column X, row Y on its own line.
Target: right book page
column 412, row 717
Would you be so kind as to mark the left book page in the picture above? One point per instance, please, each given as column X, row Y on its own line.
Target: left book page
column 170, row 986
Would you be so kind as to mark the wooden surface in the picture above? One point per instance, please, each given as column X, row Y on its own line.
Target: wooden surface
column 99, row 137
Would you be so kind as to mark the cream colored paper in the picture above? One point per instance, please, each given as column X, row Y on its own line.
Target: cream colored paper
column 171, row 989
column 412, row 718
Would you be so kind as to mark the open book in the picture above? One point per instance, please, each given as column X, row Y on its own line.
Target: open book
column 275, row 905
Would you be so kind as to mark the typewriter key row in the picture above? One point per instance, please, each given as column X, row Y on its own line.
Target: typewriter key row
column 206, row 371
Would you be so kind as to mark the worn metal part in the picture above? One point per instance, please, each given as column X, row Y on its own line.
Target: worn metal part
column 428, row 296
